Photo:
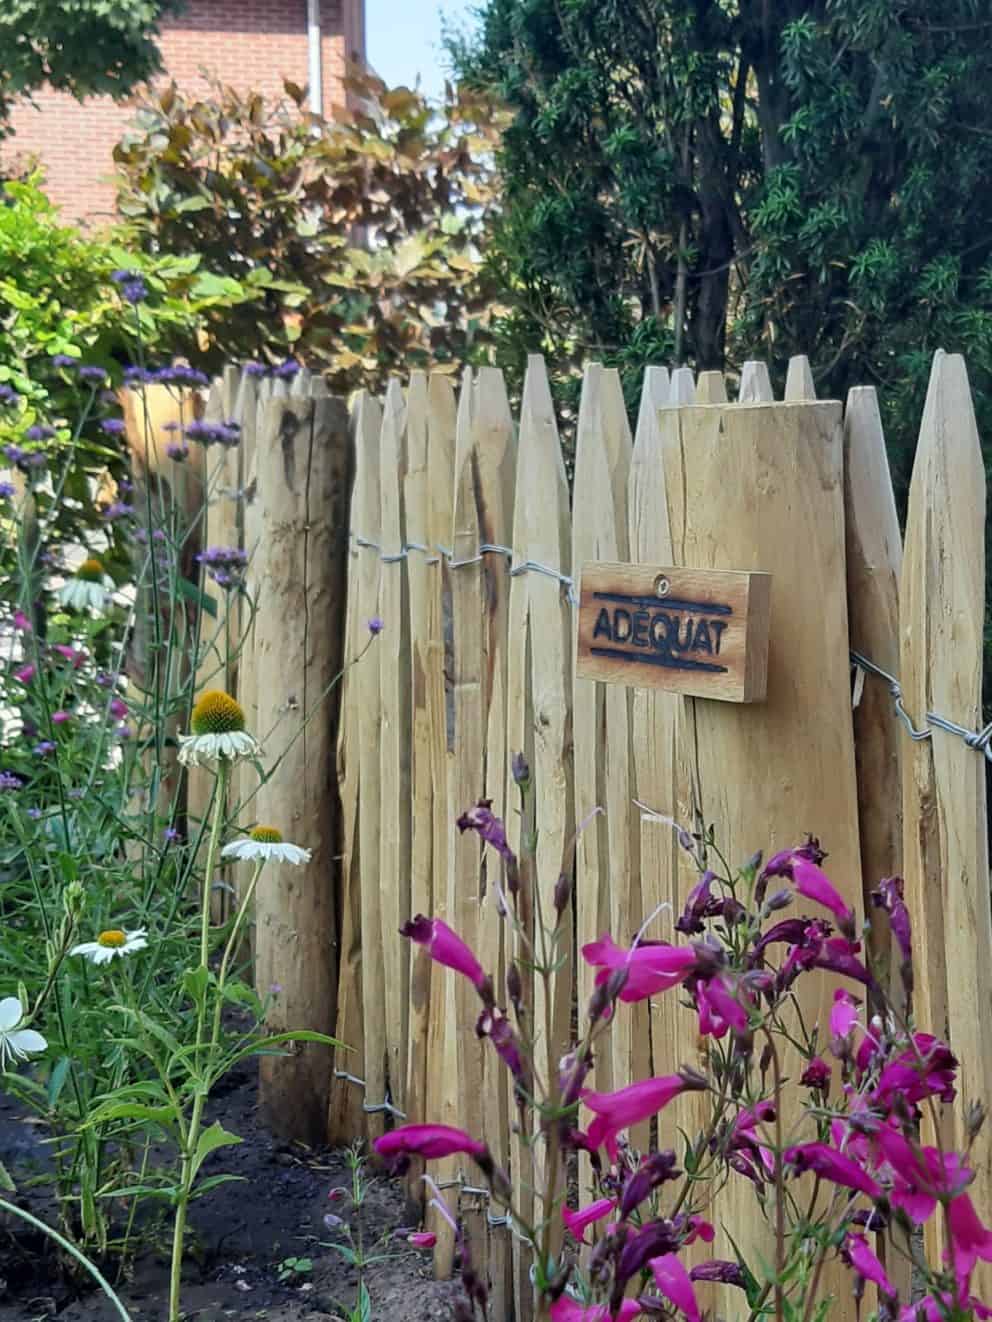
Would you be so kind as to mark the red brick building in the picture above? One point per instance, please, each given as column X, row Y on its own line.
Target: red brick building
column 250, row 44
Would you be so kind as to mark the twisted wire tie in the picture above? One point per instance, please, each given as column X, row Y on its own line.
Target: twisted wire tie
column 980, row 740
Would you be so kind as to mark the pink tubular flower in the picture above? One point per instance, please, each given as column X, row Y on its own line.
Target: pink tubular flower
column 26, row 673
column 867, row 1265
column 21, row 622
column 118, row 708
column 650, row 968
column 970, row 1238
column 831, row 1165
column 719, row 1008
column 814, row 884
column 674, row 1282
column 72, row 654
column 445, row 947
column 422, row 1239
column 629, row 1106
column 566, row 1309
column 843, row 1019
column 60, row 717
column 576, row 1222
column 428, row 1141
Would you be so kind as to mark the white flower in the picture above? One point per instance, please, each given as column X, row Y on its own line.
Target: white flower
column 16, row 1043
column 89, row 589
column 111, row 943
column 232, row 744
column 265, row 843
column 218, row 723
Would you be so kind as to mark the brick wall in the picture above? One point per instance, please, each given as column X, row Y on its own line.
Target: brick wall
column 251, row 44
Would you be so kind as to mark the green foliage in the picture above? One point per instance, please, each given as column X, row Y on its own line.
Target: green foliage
column 83, row 47
column 724, row 181
column 358, row 236
column 57, row 296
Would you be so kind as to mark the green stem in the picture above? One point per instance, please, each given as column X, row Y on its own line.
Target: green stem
column 187, row 1168
column 229, row 950
column 73, row 1252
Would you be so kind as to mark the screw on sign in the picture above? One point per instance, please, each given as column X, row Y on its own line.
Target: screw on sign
column 700, row 632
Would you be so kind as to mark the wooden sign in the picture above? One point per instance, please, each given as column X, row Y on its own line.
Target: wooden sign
column 702, row 632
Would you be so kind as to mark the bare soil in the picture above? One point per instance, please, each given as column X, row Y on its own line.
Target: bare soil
column 241, row 1233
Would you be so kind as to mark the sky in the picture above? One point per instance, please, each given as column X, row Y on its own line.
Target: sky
column 404, row 38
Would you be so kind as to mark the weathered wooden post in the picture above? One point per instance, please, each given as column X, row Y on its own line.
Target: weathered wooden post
column 303, row 461
column 945, row 841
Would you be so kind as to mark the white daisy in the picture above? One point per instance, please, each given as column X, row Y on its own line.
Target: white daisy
column 110, row 944
column 16, row 1043
column 218, row 731
column 89, row 589
column 265, row 842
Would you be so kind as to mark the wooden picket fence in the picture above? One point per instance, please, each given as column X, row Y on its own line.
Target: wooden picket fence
column 463, row 538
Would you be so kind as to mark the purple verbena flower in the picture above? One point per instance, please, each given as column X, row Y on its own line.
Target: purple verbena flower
column 177, row 452
column 119, row 509
column 8, row 395
column 113, row 426
column 43, row 748
column 96, row 376
column 254, row 369
column 40, row 431
column 8, row 781
column 179, row 374
column 64, row 360
column 224, row 564
column 376, row 626
column 214, row 433
column 170, row 835
column 7, row 489
column 286, row 370
column 135, row 375
column 131, row 285
column 34, row 814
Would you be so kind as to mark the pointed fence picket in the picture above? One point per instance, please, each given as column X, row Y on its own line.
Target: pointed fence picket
column 462, row 538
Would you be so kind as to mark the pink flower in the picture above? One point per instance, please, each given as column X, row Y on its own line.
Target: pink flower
column 816, row 1075
column 814, row 884
column 60, row 717
column 118, row 708
column 445, row 947
column 422, row 1239
column 570, row 1310
column 831, row 1165
column 629, row 1106
column 719, row 1008
column 650, row 968
column 428, row 1141
column 867, row 1265
column 576, row 1222
column 675, row 1284
column 26, row 673
column 72, row 654
column 21, row 622
column 843, row 1018
column 970, row 1238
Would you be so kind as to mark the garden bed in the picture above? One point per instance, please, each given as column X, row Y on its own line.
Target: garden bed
column 243, row 1234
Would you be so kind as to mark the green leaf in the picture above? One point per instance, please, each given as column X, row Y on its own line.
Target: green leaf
column 264, row 1045
column 195, row 983
column 211, row 1139
column 192, row 593
column 170, row 1191
column 213, row 1181
column 56, row 1081
column 6, row 1183
column 150, row 1115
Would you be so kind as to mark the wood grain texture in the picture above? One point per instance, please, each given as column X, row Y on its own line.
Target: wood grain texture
column 799, row 380
column 345, row 1117
column 367, row 426
column 395, row 813
column 788, row 492
column 874, row 564
column 942, row 596
column 303, row 478
column 707, row 636
column 442, row 1096
column 710, row 389
column 756, row 384
column 682, row 388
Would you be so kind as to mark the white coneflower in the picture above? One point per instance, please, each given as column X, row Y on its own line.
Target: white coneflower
column 16, row 1043
column 218, row 731
column 89, row 589
column 110, row 944
column 265, row 842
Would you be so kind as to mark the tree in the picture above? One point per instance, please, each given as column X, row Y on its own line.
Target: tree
column 706, row 179
column 84, row 47
column 359, row 235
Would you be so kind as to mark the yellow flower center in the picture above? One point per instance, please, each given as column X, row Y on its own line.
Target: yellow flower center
column 217, row 712
column 91, row 570
column 266, row 835
column 113, row 939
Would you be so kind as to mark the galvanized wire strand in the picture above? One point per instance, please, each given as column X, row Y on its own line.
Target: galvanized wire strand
column 371, row 1108
column 979, row 740
column 485, row 548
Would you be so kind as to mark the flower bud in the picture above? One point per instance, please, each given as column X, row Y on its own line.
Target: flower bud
column 692, row 1080
column 974, row 1119
column 616, row 982
column 778, row 900
column 515, row 989
column 521, row 771
column 562, row 893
